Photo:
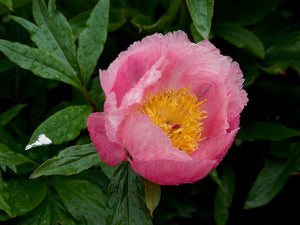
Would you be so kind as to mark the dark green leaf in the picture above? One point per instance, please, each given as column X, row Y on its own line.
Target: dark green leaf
column 285, row 52
column 64, row 125
column 25, row 195
column 215, row 177
column 108, row 170
column 57, row 30
column 91, row 40
column 9, row 114
column 59, row 213
column 41, row 215
column 69, row 161
column 78, row 23
column 241, row 38
column 251, row 72
column 50, row 211
column 266, row 131
column 39, row 62
column 143, row 22
column 4, row 196
column 152, row 195
column 201, row 12
column 244, row 12
column 16, row 4
column 8, row 157
column 8, row 3
column 84, row 200
column 6, row 65
column 272, row 178
column 116, row 19
column 287, row 43
column 224, row 196
column 126, row 198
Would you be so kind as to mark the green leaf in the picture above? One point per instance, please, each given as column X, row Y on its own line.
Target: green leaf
column 272, row 178
column 41, row 215
column 126, row 198
column 241, row 38
column 285, row 52
column 59, row 213
column 69, row 161
column 78, row 23
column 8, row 3
column 50, row 211
column 251, row 72
column 144, row 22
column 201, row 12
column 107, row 170
column 152, row 195
column 6, row 65
column 39, row 62
column 10, row 158
column 24, row 195
column 57, row 30
column 64, row 125
column 116, row 19
column 84, row 200
column 91, row 40
column 242, row 12
column 4, row 196
column 215, row 177
column 15, row 3
column 9, row 114
column 260, row 130
column 224, row 196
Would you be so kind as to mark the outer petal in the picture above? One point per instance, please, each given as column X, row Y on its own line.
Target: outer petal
column 145, row 141
column 131, row 65
column 111, row 153
column 172, row 172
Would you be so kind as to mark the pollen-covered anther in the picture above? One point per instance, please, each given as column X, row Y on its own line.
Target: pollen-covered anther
column 178, row 114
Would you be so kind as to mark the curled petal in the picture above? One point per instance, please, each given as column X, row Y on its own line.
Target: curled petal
column 111, row 153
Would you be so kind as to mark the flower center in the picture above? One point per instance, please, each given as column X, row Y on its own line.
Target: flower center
column 178, row 114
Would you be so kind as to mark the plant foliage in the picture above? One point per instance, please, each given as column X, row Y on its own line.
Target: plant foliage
column 50, row 53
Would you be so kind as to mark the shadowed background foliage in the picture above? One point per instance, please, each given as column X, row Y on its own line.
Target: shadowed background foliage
column 66, row 182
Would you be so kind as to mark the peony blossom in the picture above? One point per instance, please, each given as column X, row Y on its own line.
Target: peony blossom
column 172, row 108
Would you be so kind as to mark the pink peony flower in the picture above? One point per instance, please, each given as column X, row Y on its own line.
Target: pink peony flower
column 172, row 108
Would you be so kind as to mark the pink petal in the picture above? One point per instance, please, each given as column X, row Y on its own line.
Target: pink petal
column 172, row 172
column 146, row 141
column 113, row 116
column 130, row 66
column 111, row 153
column 215, row 148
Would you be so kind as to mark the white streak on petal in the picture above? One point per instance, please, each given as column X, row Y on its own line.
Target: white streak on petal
column 42, row 140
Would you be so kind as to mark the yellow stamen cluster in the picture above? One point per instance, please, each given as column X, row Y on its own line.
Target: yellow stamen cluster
column 178, row 114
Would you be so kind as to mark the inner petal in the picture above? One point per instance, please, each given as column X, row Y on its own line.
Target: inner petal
column 178, row 114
